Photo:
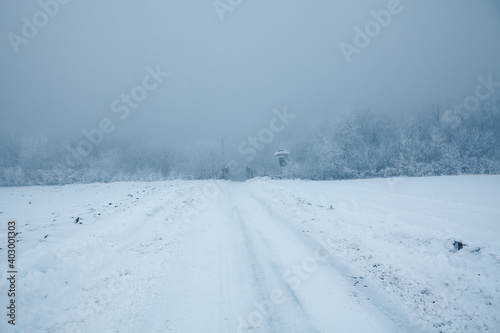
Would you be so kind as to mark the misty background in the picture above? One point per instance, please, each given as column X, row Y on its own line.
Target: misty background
column 382, row 114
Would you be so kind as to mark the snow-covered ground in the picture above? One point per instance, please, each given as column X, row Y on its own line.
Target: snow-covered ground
column 260, row 256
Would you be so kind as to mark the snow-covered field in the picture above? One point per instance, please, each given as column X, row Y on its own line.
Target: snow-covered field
column 260, row 256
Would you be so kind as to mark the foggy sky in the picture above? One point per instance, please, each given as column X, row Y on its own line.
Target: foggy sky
column 225, row 77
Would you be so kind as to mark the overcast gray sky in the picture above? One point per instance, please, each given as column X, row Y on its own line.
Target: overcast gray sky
column 227, row 76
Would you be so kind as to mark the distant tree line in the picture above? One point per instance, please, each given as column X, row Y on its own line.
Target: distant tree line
column 356, row 144
column 363, row 144
column 39, row 160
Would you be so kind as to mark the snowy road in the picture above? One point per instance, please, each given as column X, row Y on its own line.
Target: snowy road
column 260, row 256
column 247, row 270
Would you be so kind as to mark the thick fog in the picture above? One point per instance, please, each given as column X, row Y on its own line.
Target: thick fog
column 67, row 65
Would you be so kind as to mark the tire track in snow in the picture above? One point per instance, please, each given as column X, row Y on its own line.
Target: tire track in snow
column 217, row 275
column 382, row 304
column 286, row 314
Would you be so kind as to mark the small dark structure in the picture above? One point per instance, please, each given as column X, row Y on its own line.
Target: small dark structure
column 225, row 173
column 282, row 157
column 251, row 173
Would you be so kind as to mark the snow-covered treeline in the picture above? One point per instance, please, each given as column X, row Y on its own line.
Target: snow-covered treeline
column 39, row 160
column 355, row 144
column 432, row 142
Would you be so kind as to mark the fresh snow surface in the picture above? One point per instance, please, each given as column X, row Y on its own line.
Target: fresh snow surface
column 260, row 256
